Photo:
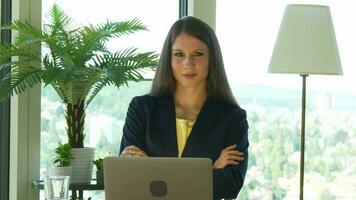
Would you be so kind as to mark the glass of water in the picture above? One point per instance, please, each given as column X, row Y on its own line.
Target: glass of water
column 56, row 187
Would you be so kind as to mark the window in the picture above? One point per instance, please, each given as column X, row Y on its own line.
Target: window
column 247, row 31
column 106, row 114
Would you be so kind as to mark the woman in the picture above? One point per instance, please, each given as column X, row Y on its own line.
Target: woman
column 190, row 111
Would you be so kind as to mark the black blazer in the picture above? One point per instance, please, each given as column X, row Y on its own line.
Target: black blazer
column 151, row 126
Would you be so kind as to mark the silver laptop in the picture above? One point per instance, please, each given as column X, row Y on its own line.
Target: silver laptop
column 158, row 178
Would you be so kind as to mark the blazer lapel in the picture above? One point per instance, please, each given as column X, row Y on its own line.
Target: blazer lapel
column 167, row 126
column 204, row 122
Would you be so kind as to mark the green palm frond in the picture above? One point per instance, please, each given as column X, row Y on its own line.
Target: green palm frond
column 7, row 51
column 94, row 37
column 59, row 90
column 5, row 87
column 21, row 78
column 51, row 72
column 59, row 20
column 24, row 72
column 96, row 88
column 116, row 29
column 5, row 66
column 29, row 34
column 121, row 67
column 62, row 36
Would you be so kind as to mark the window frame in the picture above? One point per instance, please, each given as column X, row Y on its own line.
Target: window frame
column 5, row 10
column 183, row 8
column 25, row 119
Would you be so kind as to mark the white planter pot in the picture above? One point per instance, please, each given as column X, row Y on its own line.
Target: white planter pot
column 82, row 164
column 61, row 171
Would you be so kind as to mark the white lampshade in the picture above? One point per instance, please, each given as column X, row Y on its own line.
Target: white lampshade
column 306, row 42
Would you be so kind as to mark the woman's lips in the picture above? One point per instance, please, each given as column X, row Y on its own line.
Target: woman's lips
column 189, row 75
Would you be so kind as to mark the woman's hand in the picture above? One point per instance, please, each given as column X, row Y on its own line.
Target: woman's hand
column 228, row 156
column 133, row 151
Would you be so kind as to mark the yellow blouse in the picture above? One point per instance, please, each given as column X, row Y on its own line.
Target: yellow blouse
column 184, row 127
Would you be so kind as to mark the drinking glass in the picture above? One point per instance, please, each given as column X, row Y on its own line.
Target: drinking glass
column 56, row 187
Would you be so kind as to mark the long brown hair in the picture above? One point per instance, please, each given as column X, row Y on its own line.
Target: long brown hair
column 217, row 84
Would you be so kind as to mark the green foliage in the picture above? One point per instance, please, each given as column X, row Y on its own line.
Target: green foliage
column 77, row 63
column 64, row 155
column 274, row 152
column 99, row 164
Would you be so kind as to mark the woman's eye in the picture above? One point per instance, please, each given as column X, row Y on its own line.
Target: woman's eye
column 198, row 54
column 178, row 54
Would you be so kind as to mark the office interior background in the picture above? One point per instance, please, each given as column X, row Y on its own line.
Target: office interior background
column 32, row 124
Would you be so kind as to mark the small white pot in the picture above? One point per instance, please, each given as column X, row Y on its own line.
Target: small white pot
column 61, row 171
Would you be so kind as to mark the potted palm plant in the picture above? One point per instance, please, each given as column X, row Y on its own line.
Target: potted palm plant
column 75, row 61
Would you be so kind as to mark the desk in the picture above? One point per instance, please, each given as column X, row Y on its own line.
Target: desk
column 77, row 188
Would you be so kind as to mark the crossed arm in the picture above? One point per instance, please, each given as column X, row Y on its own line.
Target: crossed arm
column 228, row 156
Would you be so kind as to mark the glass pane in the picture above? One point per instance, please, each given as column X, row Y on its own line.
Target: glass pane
column 106, row 114
column 247, row 31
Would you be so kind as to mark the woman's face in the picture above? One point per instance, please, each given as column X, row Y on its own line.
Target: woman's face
column 190, row 61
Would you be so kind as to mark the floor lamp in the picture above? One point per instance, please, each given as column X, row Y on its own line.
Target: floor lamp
column 305, row 45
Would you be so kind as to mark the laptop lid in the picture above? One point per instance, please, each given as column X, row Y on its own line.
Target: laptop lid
column 158, row 178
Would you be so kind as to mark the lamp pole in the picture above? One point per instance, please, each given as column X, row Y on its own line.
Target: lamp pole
column 302, row 138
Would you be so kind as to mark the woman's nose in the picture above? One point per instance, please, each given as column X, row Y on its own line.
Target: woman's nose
column 188, row 61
